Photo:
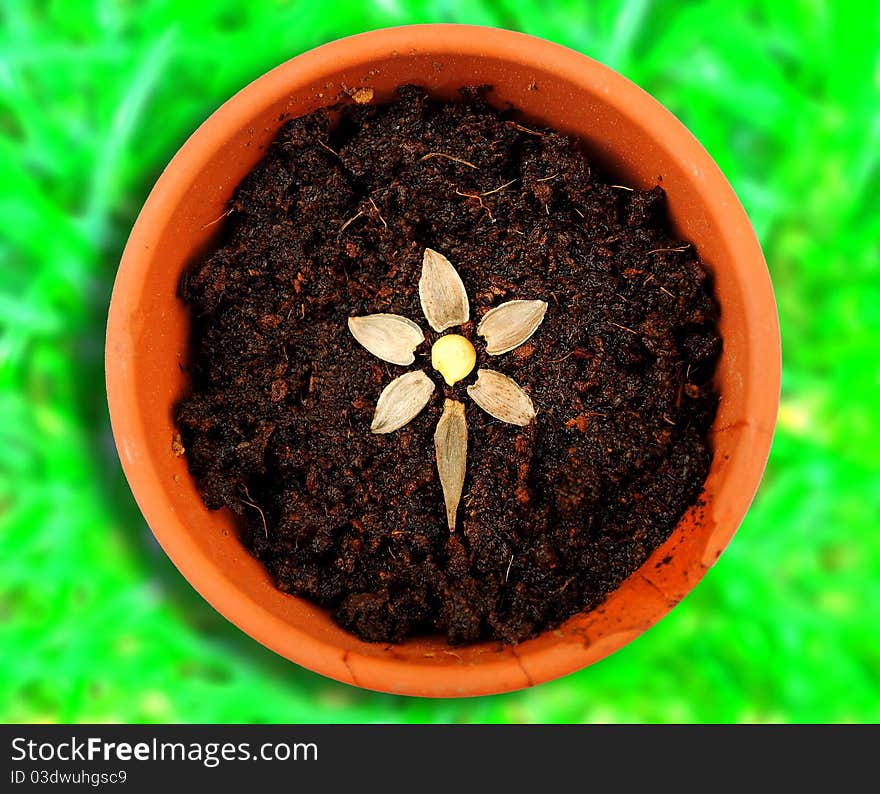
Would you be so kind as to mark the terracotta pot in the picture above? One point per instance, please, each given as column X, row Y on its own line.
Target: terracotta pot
column 634, row 137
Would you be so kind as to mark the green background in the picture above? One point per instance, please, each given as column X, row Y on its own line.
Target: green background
column 96, row 624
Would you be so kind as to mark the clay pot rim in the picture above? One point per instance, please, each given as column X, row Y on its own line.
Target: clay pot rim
column 761, row 378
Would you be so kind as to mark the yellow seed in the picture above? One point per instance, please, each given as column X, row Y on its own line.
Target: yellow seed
column 453, row 357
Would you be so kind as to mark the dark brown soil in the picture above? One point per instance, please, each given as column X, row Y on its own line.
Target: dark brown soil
column 332, row 223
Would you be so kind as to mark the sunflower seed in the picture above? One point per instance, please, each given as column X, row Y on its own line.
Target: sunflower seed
column 500, row 397
column 441, row 291
column 509, row 325
column 450, row 443
column 387, row 336
column 401, row 400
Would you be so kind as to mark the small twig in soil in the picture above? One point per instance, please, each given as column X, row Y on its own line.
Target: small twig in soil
column 547, row 178
column 649, row 278
column 558, row 360
column 347, row 224
column 499, row 188
column 429, row 155
column 217, row 220
column 507, row 572
column 663, row 289
column 378, row 213
column 479, row 198
column 579, row 212
column 527, row 130
column 624, row 328
column 623, row 187
column 256, row 507
column 325, row 146
column 679, row 248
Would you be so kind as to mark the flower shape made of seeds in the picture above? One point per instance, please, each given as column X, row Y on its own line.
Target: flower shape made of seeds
column 394, row 339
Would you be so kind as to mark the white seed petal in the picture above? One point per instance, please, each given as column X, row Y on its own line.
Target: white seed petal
column 450, row 443
column 441, row 291
column 387, row 336
column 509, row 325
column 499, row 396
column 401, row 400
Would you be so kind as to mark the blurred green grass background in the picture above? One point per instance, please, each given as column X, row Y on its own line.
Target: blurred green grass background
column 96, row 624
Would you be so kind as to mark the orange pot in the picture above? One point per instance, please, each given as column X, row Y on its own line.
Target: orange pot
column 638, row 141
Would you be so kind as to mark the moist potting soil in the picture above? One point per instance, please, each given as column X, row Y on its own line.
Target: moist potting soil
column 333, row 222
